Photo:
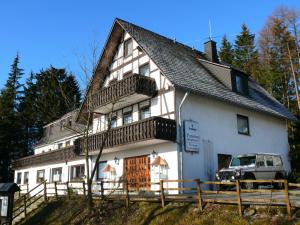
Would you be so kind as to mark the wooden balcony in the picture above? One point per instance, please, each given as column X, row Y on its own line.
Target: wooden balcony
column 50, row 157
column 154, row 128
column 129, row 90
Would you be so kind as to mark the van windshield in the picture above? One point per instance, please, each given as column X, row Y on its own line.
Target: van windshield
column 243, row 161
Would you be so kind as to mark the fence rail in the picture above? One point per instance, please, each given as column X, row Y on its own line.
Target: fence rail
column 192, row 190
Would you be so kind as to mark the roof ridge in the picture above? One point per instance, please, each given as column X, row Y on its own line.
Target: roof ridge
column 162, row 36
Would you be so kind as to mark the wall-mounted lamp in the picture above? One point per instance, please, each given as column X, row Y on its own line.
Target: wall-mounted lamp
column 154, row 154
column 116, row 160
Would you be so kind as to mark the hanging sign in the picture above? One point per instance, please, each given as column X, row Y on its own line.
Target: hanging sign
column 191, row 136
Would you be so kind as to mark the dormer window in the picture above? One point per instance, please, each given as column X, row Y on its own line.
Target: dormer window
column 128, row 47
column 240, row 84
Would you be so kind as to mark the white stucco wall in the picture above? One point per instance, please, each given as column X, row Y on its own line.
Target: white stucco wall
column 218, row 132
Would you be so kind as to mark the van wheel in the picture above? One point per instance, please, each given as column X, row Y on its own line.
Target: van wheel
column 249, row 185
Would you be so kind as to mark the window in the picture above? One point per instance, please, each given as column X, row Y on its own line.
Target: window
column 277, row 161
column 260, row 161
column 68, row 143
column 19, row 177
column 100, row 173
column 128, row 47
column 60, row 145
column 26, row 177
column 114, row 121
column 145, row 70
column 144, row 110
column 77, row 172
column 127, row 115
column 40, row 176
column 239, row 84
column 243, row 125
column 269, row 160
column 56, row 174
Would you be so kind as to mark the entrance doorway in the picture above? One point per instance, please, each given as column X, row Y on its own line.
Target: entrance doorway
column 137, row 172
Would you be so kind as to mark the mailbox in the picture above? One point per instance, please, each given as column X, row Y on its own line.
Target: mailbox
column 7, row 192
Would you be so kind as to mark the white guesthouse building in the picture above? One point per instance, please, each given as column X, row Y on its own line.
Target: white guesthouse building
column 178, row 113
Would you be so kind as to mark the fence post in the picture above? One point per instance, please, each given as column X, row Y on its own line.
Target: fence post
column 127, row 194
column 287, row 199
column 83, row 188
column 102, row 188
column 68, row 190
column 45, row 191
column 55, row 189
column 162, row 194
column 238, row 193
column 25, row 207
column 199, row 194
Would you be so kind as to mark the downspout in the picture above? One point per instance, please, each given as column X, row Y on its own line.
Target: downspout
column 181, row 136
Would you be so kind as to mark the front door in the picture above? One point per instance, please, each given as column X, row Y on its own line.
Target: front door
column 137, row 172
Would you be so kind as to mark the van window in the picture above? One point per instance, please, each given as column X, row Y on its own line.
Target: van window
column 277, row 161
column 269, row 160
column 260, row 161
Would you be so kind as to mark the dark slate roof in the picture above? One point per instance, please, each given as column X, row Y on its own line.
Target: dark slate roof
column 8, row 187
column 58, row 133
column 181, row 65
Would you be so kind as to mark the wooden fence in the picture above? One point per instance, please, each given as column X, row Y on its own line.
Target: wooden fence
column 193, row 190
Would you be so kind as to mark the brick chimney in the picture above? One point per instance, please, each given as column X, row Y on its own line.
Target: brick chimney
column 210, row 50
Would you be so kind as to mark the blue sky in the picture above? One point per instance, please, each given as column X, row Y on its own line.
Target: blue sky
column 59, row 32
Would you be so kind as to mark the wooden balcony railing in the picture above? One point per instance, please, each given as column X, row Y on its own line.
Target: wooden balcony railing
column 55, row 156
column 151, row 128
column 133, row 84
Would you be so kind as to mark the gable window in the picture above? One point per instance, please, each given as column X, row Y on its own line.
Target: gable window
column 144, row 110
column 243, row 125
column 40, row 176
column 128, row 47
column 77, row 172
column 127, row 115
column 100, row 173
column 19, row 177
column 60, row 145
column 56, row 174
column 145, row 70
column 26, row 177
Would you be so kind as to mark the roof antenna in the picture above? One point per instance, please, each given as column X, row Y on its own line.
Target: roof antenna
column 210, row 35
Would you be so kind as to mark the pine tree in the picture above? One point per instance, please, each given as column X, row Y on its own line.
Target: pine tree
column 226, row 52
column 245, row 52
column 10, row 121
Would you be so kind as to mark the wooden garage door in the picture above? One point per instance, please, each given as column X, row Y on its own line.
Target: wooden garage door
column 137, row 172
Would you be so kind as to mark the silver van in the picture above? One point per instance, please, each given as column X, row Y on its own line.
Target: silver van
column 260, row 166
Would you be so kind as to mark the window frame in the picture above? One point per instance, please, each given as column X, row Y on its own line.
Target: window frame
column 127, row 113
column 19, row 178
column 98, row 172
column 37, row 177
column 126, row 43
column 72, row 178
column 143, row 65
column 60, row 175
column 26, row 179
column 242, row 117
column 144, row 107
